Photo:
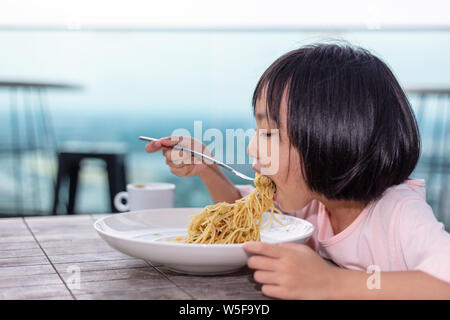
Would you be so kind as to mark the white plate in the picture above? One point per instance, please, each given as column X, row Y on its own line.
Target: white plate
column 150, row 234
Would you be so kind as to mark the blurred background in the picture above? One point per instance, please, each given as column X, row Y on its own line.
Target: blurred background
column 88, row 77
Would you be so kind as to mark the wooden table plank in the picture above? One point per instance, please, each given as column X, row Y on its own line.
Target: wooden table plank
column 82, row 219
column 86, row 257
column 23, row 261
column 95, row 246
column 185, row 280
column 29, row 280
column 6, row 246
column 58, row 291
column 5, row 240
column 62, row 228
column 228, row 286
column 103, row 265
column 19, row 253
column 66, row 236
column 76, row 245
column 171, row 293
column 26, row 270
column 115, row 274
column 167, row 293
column 13, row 230
column 229, row 291
column 11, row 223
column 154, row 283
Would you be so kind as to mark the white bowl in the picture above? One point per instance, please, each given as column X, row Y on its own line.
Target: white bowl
column 150, row 234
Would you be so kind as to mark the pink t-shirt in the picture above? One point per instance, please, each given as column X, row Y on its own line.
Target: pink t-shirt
column 399, row 232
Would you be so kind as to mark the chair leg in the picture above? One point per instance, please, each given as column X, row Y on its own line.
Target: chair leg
column 117, row 180
column 73, row 177
column 59, row 177
column 112, row 182
column 122, row 181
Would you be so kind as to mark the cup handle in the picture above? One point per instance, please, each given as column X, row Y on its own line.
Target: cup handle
column 118, row 201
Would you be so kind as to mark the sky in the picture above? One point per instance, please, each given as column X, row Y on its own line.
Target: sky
column 76, row 14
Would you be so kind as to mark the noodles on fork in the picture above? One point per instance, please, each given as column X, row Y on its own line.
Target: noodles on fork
column 238, row 222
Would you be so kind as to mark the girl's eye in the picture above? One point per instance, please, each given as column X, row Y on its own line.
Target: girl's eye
column 266, row 133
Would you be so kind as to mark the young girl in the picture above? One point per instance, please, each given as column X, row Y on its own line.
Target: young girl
column 348, row 142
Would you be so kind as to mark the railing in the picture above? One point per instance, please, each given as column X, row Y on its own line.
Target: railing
column 432, row 108
column 31, row 114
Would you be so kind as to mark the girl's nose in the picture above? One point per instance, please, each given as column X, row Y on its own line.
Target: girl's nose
column 252, row 149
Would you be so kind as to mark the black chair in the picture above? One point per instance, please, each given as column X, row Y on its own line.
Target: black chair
column 69, row 161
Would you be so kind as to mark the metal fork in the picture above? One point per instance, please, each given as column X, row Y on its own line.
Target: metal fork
column 201, row 155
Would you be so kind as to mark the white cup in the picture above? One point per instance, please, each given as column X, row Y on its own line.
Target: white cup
column 140, row 196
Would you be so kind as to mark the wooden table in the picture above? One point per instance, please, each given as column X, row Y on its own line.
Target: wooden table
column 40, row 258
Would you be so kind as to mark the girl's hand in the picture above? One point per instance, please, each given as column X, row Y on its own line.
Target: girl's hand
column 290, row 271
column 182, row 164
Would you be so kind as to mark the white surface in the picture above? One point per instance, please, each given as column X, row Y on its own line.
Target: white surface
column 150, row 234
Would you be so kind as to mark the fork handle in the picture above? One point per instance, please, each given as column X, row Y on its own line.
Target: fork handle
column 199, row 154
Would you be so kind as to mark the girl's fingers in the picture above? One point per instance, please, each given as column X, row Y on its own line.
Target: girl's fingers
column 181, row 172
column 179, row 157
column 162, row 143
column 174, row 165
column 170, row 141
column 272, row 290
column 265, row 277
column 295, row 246
column 261, row 263
column 263, row 249
column 169, row 153
column 153, row 146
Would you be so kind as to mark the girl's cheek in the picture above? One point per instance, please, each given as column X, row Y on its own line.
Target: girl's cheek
column 275, row 156
column 280, row 163
column 269, row 158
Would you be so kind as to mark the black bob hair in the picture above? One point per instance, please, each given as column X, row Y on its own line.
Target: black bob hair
column 347, row 116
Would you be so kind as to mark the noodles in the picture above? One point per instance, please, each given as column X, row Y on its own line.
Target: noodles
column 234, row 223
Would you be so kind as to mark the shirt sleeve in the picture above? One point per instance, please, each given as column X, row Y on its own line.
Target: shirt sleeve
column 423, row 241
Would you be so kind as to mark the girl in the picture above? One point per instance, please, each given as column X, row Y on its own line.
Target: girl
column 349, row 142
